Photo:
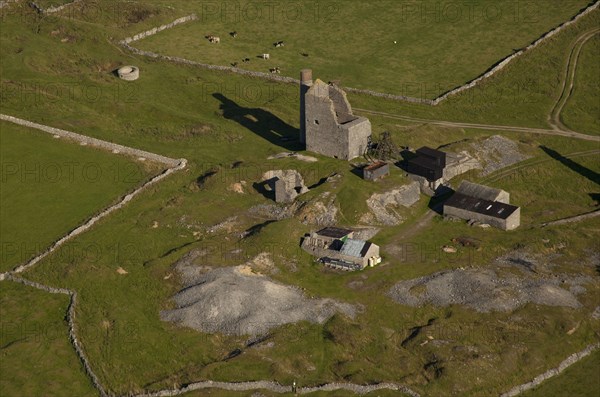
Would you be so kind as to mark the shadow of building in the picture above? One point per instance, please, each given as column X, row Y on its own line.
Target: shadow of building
column 572, row 165
column 262, row 122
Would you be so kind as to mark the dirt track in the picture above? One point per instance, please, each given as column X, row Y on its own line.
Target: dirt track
column 569, row 81
column 488, row 127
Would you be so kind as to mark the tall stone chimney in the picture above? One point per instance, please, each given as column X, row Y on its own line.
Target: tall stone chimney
column 305, row 83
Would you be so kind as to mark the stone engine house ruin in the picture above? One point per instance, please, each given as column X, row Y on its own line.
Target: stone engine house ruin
column 327, row 124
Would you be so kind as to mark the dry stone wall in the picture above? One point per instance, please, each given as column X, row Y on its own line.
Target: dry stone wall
column 4, row 3
column 114, row 147
column 155, row 30
column 432, row 102
column 51, row 10
column 71, row 323
column 174, row 165
column 573, row 219
column 572, row 359
column 278, row 388
column 502, row 64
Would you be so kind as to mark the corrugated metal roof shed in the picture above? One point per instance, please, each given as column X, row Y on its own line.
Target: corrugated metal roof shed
column 353, row 248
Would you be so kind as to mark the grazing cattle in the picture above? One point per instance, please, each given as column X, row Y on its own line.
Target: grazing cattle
column 213, row 39
column 304, row 54
column 266, row 56
column 234, row 64
column 278, row 44
column 233, row 34
column 275, row 70
column 246, row 60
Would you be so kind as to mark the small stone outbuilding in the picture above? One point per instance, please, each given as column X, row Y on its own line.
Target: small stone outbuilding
column 375, row 171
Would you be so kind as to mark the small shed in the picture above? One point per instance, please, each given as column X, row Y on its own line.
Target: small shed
column 377, row 170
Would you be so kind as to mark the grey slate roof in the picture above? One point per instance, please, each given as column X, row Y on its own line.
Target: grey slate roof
column 334, row 232
column 491, row 208
column 479, row 191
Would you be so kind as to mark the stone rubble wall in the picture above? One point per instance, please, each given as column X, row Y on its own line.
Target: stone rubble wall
column 51, row 10
column 175, row 165
column 502, row 64
column 158, row 29
column 181, row 163
column 93, row 220
column 278, row 388
column 4, row 3
column 432, row 102
column 72, row 327
column 573, row 219
column 93, row 142
column 572, row 359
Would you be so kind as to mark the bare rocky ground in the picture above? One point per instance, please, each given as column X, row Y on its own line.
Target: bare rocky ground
column 497, row 152
column 486, row 290
column 382, row 205
column 241, row 301
column 302, row 157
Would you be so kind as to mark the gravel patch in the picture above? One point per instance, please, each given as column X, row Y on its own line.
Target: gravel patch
column 498, row 152
column 366, row 233
column 272, row 211
column 238, row 301
column 484, row 291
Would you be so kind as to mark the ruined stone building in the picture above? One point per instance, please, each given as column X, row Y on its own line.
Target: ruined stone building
column 337, row 248
column 285, row 184
column 327, row 124
column 483, row 204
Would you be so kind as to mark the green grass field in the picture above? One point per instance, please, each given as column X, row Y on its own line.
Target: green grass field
column 171, row 110
column 393, row 47
column 522, row 94
column 49, row 187
column 580, row 380
column 581, row 113
column 36, row 355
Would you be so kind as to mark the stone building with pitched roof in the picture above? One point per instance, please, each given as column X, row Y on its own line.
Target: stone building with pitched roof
column 483, row 204
column 336, row 248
